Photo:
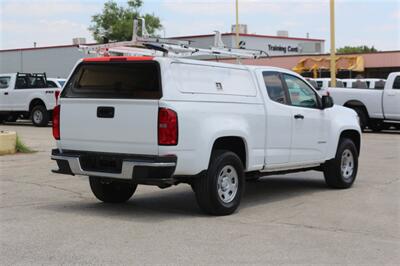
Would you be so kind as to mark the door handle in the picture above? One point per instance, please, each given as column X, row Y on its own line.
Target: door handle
column 298, row 116
column 6, row 93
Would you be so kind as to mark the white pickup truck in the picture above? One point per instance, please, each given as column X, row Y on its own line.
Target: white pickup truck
column 28, row 95
column 376, row 108
column 125, row 121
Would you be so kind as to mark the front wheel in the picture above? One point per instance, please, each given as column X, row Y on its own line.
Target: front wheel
column 219, row 192
column 40, row 116
column 111, row 191
column 341, row 171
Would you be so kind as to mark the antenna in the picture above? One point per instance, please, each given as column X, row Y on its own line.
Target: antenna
column 154, row 46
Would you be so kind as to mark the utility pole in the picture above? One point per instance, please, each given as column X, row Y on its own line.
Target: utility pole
column 237, row 24
column 333, row 50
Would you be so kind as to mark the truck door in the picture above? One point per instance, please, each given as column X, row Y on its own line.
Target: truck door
column 310, row 123
column 278, row 120
column 391, row 100
column 5, row 88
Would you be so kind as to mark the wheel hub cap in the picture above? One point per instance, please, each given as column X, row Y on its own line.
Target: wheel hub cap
column 347, row 164
column 228, row 183
column 37, row 116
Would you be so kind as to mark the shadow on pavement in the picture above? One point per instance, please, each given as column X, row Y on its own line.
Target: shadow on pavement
column 171, row 203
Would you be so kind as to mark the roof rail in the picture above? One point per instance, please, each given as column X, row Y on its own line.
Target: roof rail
column 152, row 46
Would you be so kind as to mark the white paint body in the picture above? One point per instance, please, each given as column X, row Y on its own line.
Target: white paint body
column 380, row 104
column 12, row 99
column 273, row 139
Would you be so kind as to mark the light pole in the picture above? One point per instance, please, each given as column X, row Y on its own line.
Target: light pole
column 333, row 50
column 237, row 23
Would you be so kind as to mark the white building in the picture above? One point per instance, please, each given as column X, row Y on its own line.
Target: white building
column 273, row 45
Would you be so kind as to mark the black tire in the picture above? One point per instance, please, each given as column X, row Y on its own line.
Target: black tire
column 206, row 187
column 363, row 117
column 376, row 125
column 11, row 118
column 334, row 176
column 111, row 191
column 40, row 116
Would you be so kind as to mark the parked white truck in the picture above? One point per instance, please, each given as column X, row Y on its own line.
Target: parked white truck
column 125, row 121
column 27, row 95
column 376, row 108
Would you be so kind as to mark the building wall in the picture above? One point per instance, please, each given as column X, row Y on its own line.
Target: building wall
column 56, row 62
column 274, row 46
column 377, row 65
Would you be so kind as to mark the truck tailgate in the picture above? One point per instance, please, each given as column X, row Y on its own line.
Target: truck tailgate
column 132, row 129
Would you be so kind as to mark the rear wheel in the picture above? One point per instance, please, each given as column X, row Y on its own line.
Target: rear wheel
column 40, row 116
column 341, row 171
column 111, row 191
column 219, row 192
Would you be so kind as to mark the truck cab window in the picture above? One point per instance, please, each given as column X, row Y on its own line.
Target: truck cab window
column 300, row 93
column 396, row 83
column 275, row 88
column 4, row 82
column 21, row 83
column 51, row 84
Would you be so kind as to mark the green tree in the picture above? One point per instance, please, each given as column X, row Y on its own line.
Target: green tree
column 115, row 23
column 356, row 49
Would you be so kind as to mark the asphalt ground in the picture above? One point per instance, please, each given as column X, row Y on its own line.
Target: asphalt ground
column 47, row 218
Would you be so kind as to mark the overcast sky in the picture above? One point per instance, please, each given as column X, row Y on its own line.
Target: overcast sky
column 358, row 22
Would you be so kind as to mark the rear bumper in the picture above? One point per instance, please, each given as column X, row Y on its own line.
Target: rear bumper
column 136, row 168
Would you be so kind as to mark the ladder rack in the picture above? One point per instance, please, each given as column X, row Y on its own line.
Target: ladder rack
column 151, row 46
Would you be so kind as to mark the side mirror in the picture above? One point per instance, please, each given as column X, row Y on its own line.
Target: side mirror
column 327, row 101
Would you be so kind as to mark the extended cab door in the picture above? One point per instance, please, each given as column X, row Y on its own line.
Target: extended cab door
column 391, row 100
column 278, row 130
column 310, row 123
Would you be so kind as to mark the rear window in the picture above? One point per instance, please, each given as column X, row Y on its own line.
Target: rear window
column 132, row 80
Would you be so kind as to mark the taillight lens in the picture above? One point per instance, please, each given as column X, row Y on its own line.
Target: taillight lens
column 56, row 122
column 167, row 127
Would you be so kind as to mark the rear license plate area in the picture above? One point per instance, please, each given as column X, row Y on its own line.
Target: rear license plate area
column 101, row 163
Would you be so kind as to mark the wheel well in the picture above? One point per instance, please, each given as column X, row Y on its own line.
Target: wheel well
column 356, row 104
column 233, row 144
column 35, row 102
column 354, row 136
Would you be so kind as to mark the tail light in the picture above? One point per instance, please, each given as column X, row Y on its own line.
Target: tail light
column 56, row 94
column 167, row 127
column 56, row 122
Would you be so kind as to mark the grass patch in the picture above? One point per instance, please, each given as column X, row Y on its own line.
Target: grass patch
column 21, row 147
